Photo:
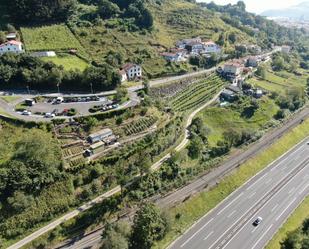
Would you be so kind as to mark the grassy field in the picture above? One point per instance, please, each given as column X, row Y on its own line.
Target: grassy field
column 69, row 62
column 54, row 37
column 280, row 81
column 294, row 222
column 193, row 209
column 220, row 119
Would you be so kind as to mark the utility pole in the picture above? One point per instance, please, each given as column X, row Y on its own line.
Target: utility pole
column 28, row 90
column 58, row 88
column 91, row 88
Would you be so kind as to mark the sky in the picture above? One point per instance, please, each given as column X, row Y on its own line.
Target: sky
column 258, row 6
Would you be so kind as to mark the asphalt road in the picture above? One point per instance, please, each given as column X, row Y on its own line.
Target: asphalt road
column 273, row 194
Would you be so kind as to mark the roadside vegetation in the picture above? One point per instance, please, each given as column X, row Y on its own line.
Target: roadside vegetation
column 293, row 232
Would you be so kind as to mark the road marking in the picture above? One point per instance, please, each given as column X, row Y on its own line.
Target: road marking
column 300, row 192
column 273, row 209
column 268, row 181
column 285, row 209
column 254, row 229
column 251, row 195
column 257, row 181
column 289, row 157
column 230, row 215
column 262, row 236
column 208, row 235
column 292, row 190
column 230, row 203
column 196, row 232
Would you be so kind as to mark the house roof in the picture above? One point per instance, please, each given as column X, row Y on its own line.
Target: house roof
column 13, row 42
column 194, row 43
column 210, row 43
column 122, row 72
column 167, row 54
column 128, row 66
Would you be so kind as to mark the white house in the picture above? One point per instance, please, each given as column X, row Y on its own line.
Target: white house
column 133, row 71
column 195, row 47
column 210, row 47
column 286, row 49
column 232, row 68
column 11, row 46
column 175, row 56
column 183, row 43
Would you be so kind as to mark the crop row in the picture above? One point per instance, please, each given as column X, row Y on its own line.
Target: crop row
column 139, row 125
column 185, row 99
column 196, row 88
column 77, row 161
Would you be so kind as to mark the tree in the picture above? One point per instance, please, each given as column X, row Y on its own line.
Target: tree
column 107, row 9
column 19, row 201
column 195, row 147
column 149, row 225
column 121, row 93
column 41, row 10
column 90, row 123
column 278, row 63
column 2, row 37
column 116, row 236
column 261, row 71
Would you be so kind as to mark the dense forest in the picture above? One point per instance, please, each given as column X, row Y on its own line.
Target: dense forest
column 298, row 239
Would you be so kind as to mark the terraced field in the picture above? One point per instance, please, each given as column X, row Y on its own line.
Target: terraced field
column 197, row 94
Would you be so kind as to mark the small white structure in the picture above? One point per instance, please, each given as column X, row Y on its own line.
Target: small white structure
column 133, row 71
column 44, row 54
column 286, row 49
column 11, row 36
column 211, row 47
column 11, row 46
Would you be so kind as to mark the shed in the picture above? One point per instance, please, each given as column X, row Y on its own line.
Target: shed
column 100, row 135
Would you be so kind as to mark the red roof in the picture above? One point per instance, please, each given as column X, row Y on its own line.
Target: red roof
column 128, row 66
column 12, row 42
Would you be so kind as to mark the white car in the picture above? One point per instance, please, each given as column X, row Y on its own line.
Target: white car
column 26, row 113
column 49, row 115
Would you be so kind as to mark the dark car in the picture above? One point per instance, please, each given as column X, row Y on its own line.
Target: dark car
column 257, row 221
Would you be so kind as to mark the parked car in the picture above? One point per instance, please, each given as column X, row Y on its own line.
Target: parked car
column 49, row 115
column 26, row 113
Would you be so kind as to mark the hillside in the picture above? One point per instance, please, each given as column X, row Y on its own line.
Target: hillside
column 103, row 37
column 297, row 12
column 173, row 20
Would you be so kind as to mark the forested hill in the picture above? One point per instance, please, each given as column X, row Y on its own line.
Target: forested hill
column 116, row 31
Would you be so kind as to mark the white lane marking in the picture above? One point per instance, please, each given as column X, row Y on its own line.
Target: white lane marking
column 268, row 181
column 250, row 196
column 197, row 232
column 300, row 192
column 230, row 203
column 285, row 209
column 257, row 181
column 292, row 190
column 208, row 235
column 254, row 229
column 273, row 209
column 262, row 236
column 230, row 215
column 289, row 157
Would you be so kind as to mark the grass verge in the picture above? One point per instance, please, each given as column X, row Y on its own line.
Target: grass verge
column 199, row 205
column 294, row 222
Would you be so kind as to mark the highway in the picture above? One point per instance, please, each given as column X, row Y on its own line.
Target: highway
column 273, row 194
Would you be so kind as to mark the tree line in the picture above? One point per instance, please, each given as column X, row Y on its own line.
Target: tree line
column 24, row 71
